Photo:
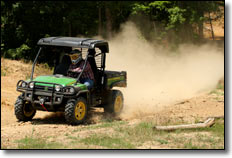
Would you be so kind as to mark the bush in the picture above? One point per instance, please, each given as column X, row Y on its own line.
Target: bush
column 17, row 53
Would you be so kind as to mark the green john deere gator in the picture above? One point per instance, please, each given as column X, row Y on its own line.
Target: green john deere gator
column 58, row 92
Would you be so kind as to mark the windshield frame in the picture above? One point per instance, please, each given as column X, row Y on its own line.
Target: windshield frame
column 36, row 58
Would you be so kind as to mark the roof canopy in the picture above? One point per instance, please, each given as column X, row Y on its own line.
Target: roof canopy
column 74, row 42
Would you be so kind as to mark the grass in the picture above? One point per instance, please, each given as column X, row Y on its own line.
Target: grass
column 217, row 129
column 220, row 85
column 217, row 92
column 27, row 75
column 110, row 142
column 4, row 71
column 219, row 89
column 120, row 135
column 135, row 136
column 162, row 141
column 213, row 139
column 37, row 143
column 32, row 142
column 43, row 69
column 104, row 124
column 141, row 133
column 189, row 145
column 24, row 68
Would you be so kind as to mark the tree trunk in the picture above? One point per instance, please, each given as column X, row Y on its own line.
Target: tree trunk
column 99, row 22
column 70, row 29
column 200, row 31
column 108, row 22
column 211, row 26
column 200, row 23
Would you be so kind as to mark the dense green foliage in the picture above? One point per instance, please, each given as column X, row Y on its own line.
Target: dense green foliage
column 177, row 21
column 23, row 23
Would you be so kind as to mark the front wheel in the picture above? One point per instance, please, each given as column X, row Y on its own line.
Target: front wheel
column 76, row 111
column 115, row 103
column 24, row 110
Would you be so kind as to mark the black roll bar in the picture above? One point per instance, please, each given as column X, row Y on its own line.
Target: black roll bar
column 33, row 66
column 83, row 67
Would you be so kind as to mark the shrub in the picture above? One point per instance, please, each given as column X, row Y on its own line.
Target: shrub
column 17, row 53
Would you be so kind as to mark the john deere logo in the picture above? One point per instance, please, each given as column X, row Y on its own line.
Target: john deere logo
column 45, row 88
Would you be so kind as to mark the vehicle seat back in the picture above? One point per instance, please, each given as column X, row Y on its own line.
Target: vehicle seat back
column 63, row 67
column 92, row 63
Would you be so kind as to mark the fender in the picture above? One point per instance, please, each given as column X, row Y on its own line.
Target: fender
column 85, row 94
column 119, row 84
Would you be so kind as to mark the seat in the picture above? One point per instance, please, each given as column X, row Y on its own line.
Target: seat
column 63, row 67
column 92, row 63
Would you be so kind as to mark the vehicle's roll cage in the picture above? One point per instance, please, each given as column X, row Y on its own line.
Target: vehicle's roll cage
column 77, row 43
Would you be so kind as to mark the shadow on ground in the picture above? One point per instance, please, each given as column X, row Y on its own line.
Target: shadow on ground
column 94, row 116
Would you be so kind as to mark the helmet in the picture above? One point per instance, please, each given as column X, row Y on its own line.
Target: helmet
column 75, row 56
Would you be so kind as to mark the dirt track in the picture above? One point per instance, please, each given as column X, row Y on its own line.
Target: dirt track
column 53, row 125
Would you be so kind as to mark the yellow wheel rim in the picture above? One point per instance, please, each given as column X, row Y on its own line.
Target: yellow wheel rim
column 80, row 110
column 118, row 104
column 28, row 111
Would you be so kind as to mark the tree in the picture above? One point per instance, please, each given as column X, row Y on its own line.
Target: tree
column 23, row 23
column 181, row 19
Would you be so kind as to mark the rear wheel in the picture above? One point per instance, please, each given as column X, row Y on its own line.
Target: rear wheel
column 24, row 110
column 76, row 111
column 115, row 103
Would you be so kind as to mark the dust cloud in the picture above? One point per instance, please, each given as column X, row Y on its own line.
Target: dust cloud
column 156, row 77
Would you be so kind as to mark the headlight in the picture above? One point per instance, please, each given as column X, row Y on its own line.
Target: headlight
column 31, row 85
column 71, row 90
column 24, row 84
column 57, row 88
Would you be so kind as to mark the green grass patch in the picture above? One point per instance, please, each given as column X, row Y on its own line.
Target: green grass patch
column 4, row 146
column 220, row 86
column 108, row 124
column 217, row 128
column 37, row 143
column 204, row 142
column 134, row 136
column 213, row 140
column 219, row 89
column 141, row 133
column 162, row 141
column 125, row 136
column 217, row 92
column 108, row 142
column 189, row 145
column 104, row 124
column 73, row 138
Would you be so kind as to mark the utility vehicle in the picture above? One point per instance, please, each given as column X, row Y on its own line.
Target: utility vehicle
column 58, row 92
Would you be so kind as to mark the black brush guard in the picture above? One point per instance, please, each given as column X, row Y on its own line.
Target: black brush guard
column 45, row 95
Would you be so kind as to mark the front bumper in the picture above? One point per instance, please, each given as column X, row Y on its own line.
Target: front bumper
column 43, row 95
column 49, row 99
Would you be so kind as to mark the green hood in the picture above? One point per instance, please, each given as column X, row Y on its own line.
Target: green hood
column 64, row 81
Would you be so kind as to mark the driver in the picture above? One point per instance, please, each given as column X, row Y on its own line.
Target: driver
column 76, row 67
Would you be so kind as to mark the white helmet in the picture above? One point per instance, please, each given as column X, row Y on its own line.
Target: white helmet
column 75, row 56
